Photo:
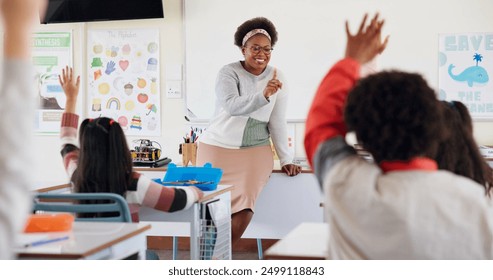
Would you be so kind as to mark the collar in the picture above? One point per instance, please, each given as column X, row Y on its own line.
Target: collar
column 417, row 163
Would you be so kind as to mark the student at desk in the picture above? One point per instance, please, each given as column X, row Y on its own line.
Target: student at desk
column 459, row 153
column 103, row 162
column 17, row 108
column 401, row 206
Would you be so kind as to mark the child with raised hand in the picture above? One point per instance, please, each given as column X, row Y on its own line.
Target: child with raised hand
column 102, row 162
column 19, row 18
column 400, row 206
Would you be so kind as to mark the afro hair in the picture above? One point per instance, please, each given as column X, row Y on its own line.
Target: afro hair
column 255, row 23
column 395, row 115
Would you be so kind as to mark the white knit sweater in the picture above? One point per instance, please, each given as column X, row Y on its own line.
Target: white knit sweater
column 244, row 117
column 411, row 214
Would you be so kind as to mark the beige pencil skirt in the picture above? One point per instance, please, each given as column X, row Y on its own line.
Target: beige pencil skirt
column 248, row 170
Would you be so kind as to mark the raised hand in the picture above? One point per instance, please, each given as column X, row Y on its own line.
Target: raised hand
column 19, row 18
column 110, row 67
column 272, row 86
column 366, row 43
column 70, row 88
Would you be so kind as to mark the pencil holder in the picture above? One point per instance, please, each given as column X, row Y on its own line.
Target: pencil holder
column 189, row 153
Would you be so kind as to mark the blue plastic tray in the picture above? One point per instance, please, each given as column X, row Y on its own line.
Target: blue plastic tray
column 205, row 178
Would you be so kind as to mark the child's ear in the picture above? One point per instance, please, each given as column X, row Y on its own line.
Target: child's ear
column 243, row 51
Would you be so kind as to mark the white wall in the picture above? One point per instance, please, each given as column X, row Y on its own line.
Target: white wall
column 172, row 52
column 312, row 36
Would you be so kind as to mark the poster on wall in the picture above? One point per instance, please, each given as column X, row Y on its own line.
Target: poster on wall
column 465, row 70
column 51, row 52
column 123, row 79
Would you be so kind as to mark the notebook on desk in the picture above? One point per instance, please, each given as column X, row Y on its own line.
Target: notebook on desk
column 157, row 163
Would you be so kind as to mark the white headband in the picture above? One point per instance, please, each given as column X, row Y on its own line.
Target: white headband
column 253, row 33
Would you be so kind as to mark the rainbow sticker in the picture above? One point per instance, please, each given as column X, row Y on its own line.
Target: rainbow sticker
column 112, row 101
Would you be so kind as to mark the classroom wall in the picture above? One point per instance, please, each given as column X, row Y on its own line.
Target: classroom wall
column 48, row 158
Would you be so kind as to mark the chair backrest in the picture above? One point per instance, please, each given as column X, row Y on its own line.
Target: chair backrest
column 71, row 202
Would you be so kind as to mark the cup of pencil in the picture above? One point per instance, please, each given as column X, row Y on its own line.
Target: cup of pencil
column 189, row 153
column 189, row 146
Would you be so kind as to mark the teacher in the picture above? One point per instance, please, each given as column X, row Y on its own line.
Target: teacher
column 251, row 100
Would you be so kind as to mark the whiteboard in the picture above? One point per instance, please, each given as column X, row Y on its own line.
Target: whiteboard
column 312, row 38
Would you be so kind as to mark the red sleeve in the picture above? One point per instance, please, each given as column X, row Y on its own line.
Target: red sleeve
column 325, row 118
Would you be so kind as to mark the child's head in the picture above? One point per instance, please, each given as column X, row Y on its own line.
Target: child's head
column 105, row 164
column 395, row 115
column 460, row 114
column 459, row 152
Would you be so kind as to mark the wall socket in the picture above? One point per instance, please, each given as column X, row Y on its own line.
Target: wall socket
column 173, row 89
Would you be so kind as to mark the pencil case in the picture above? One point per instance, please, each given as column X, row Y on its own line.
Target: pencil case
column 205, row 178
column 49, row 222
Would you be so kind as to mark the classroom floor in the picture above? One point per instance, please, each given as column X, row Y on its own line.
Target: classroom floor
column 185, row 255
column 246, row 249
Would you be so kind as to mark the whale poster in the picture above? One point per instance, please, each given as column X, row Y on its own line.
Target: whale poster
column 123, row 79
column 465, row 72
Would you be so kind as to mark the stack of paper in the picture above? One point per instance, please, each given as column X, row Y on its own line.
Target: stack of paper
column 486, row 151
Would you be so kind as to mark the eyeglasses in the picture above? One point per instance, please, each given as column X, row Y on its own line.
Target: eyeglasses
column 256, row 49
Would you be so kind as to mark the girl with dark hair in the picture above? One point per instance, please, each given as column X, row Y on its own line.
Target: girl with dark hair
column 459, row 153
column 251, row 100
column 102, row 162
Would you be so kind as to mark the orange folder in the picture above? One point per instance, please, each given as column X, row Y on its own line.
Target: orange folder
column 49, row 222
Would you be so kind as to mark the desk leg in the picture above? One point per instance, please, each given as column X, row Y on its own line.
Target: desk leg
column 194, row 232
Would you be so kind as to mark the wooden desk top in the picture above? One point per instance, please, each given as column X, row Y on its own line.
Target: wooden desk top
column 220, row 190
column 308, row 241
column 164, row 169
column 85, row 239
column 207, row 194
column 53, row 188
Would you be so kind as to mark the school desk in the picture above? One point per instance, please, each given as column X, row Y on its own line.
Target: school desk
column 284, row 203
column 191, row 221
column 308, row 241
column 91, row 240
column 186, row 223
column 278, row 208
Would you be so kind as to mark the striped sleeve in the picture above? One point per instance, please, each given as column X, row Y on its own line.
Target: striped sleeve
column 168, row 199
column 68, row 138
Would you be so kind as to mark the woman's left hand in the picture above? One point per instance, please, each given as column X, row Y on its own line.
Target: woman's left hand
column 291, row 169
